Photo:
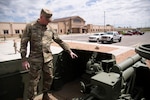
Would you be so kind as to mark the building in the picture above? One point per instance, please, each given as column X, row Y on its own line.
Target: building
column 76, row 24
column 73, row 24
column 67, row 25
column 10, row 28
column 98, row 28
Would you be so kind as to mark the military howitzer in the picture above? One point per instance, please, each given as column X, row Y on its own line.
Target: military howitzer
column 119, row 81
column 143, row 50
column 100, row 77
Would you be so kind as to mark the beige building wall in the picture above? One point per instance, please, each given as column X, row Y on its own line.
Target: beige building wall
column 8, row 28
column 5, row 26
column 18, row 27
column 54, row 26
column 98, row 28
column 62, row 29
column 73, row 24
column 109, row 28
column 78, row 25
column 68, row 25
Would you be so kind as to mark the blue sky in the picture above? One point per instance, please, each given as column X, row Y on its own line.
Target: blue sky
column 119, row 13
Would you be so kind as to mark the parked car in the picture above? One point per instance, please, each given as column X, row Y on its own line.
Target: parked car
column 130, row 32
column 111, row 37
column 137, row 32
column 126, row 32
column 96, row 37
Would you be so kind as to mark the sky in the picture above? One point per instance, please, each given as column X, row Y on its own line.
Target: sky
column 119, row 13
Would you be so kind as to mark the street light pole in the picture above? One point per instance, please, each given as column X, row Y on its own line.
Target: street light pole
column 104, row 21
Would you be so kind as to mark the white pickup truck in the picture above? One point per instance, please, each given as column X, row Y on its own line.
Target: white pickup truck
column 111, row 36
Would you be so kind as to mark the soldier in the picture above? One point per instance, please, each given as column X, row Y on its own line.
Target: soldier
column 40, row 36
column 4, row 37
column 15, row 46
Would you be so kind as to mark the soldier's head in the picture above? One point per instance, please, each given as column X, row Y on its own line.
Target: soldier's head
column 45, row 16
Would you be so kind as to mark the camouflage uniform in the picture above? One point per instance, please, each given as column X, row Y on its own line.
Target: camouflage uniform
column 40, row 58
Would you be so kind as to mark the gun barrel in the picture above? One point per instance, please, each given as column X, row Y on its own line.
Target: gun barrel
column 127, row 73
column 126, row 64
column 129, row 62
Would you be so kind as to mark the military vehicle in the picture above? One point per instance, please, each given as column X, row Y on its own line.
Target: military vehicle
column 92, row 76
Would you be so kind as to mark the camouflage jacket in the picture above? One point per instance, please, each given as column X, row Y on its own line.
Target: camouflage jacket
column 40, row 38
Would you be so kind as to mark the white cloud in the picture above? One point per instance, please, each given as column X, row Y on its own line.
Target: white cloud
column 135, row 13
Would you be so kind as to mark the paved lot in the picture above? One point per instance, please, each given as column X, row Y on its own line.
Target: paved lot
column 7, row 51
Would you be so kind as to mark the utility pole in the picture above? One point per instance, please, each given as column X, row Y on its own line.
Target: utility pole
column 104, row 21
column 70, row 25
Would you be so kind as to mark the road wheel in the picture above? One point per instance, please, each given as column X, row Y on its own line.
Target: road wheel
column 112, row 40
column 98, row 40
column 119, row 40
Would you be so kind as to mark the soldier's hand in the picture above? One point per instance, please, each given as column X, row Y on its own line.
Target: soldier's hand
column 73, row 55
column 25, row 65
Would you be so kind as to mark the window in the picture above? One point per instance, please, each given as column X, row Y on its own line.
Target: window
column 17, row 31
column 77, row 20
column 22, row 31
column 61, row 31
column 6, row 31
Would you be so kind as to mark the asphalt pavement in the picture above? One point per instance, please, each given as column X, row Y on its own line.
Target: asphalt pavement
column 7, row 51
